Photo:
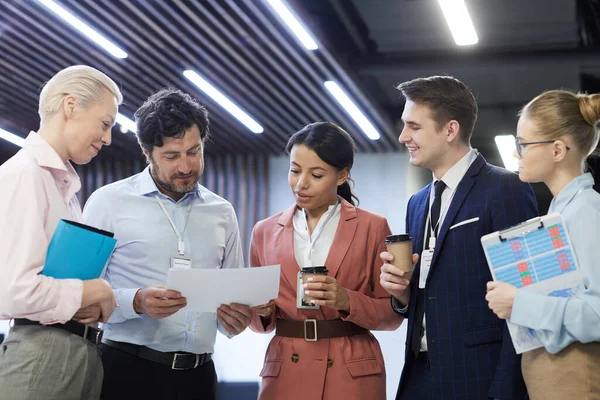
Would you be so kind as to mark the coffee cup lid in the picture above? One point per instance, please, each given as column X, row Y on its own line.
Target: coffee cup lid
column 320, row 269
column 397, row 238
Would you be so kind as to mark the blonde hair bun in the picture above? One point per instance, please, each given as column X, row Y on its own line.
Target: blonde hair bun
column 589, row 106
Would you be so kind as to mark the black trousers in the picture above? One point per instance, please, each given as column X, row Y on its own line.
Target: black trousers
column 128, row 377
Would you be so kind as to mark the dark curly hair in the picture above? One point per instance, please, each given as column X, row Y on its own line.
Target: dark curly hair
column 168, row 113
column 333, row 145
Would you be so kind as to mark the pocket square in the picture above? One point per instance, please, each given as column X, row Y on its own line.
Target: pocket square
column 467, row 221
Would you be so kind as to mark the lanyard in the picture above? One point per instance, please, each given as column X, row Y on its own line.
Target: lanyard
column 180, row 242
column 317, row 234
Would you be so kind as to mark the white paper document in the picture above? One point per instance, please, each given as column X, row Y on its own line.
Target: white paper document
column 206, row 289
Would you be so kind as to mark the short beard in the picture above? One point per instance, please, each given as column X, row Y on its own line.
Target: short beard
column 168, row 186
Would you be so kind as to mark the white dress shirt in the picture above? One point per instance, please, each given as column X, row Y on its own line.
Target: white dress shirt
column 452, row 179
column 38, row 190
column 304, row 241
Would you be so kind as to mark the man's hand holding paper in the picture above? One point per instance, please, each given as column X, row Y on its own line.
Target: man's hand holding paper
column 235, row 318
column 158, row 302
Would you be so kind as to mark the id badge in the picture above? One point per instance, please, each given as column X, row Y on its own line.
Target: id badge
column 426, row 258
column 180, row 262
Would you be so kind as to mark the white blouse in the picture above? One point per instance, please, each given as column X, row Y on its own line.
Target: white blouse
column 312, row 250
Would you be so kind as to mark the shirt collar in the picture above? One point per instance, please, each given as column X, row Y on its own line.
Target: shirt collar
column 455, row 174
column 148, row 186
column 567, row 194
column 47, row 157
column 300, row 222
column 44, row 154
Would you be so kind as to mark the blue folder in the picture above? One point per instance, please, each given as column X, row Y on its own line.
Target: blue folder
column 78, row 251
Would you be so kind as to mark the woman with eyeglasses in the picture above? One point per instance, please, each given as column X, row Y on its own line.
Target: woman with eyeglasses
column 556, row 133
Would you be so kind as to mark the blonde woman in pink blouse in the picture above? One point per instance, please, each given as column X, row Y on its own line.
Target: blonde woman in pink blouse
column 49, row 352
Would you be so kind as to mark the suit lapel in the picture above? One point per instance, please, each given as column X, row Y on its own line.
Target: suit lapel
column 421, row 211
column 342, row 240
column 283, row 238
column 462, row 191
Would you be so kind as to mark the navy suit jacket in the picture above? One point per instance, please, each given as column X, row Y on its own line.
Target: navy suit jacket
column 470, row 349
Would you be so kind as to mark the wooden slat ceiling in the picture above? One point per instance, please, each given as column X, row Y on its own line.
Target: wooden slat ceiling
column 239, row 46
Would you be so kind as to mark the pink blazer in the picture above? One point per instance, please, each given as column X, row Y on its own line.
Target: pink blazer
column 339, row 368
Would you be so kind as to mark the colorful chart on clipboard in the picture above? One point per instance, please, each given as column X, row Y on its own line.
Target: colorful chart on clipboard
column 536, row 256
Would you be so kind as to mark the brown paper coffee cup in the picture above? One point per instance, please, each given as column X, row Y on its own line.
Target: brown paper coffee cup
column 400, row 246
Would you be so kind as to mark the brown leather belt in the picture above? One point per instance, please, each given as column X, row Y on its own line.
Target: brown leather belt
column 312, row 330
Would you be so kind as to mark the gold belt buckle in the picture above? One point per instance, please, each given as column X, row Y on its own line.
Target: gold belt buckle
column 314, row 321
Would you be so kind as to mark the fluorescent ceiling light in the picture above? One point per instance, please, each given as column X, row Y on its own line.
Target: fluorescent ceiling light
column 11, row 137
column 506, row 147
column 459, row 21
column 352, row 110
column 83, row 28
column 223, row 101
column 125, row 123
column 294, row 24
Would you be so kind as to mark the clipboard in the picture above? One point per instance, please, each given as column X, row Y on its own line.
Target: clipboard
column 535, row 256
column 78, row 251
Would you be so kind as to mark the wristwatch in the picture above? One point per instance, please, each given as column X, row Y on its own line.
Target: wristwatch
column 399, row 308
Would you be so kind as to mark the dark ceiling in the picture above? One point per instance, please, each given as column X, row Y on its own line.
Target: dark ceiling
column 368, row 46
column 525, row 47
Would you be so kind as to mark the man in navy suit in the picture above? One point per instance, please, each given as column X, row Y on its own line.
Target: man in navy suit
column 456, row 347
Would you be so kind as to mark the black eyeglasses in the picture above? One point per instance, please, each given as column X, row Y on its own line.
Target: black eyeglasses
column 520, row 145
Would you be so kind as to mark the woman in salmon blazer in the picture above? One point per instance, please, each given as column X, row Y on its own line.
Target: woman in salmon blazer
column 326, row 353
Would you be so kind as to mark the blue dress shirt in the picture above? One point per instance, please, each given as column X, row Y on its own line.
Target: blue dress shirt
column 142, row 257
column 558, row 321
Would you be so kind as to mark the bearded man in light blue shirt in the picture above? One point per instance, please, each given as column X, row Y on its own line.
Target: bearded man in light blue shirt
column 153, row 347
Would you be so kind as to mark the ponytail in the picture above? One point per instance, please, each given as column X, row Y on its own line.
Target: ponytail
column 345, row 192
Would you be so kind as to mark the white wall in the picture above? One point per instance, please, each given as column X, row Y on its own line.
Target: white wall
column 383, row 183
column 4, row 327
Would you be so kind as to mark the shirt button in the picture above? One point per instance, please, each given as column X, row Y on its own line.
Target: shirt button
column 65, row 181
column 190, row 328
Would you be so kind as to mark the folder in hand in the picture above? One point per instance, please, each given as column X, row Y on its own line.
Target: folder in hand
column 78, row 251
